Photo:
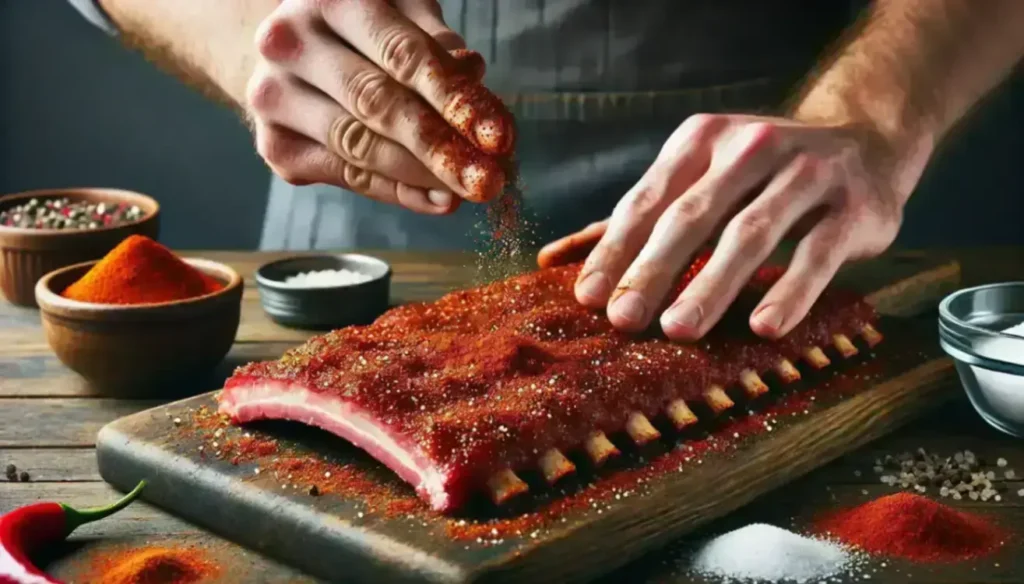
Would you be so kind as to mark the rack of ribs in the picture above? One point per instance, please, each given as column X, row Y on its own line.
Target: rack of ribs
column 459, row 395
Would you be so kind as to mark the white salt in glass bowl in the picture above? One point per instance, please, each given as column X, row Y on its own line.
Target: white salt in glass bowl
column 990, row 362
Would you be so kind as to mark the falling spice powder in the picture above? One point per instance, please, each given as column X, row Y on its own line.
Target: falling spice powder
column 913, row 527
column 154, row 565
column 140, row 271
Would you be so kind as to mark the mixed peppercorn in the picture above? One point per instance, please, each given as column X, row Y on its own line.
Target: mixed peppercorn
column 962, row 475
column 63, row 213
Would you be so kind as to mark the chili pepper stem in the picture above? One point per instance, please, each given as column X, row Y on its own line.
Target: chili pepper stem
column 75, row 518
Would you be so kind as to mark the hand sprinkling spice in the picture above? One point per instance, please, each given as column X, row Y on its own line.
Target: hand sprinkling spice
column 63, row 213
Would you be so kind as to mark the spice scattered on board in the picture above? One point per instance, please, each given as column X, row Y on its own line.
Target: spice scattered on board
column 768, row 553
column 326, row 279
column 154, row 565
column 63, row 213
column 913, row 527
column 140, row 271
column 960, row 475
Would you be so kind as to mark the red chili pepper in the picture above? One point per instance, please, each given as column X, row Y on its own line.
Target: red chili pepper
column 26, row 529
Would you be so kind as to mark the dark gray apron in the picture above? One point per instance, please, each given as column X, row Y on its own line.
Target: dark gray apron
column 596, row 87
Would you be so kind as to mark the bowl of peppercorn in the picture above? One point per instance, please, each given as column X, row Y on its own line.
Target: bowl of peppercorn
column 44, row 230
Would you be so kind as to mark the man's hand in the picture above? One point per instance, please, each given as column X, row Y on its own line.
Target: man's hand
column 754, row 180
column 380, row 98
column 837, row 173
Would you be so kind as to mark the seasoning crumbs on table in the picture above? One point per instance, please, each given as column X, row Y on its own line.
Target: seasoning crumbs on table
column 11, row 472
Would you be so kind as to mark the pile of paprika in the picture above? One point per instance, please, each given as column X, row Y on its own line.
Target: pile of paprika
column 913, row 527
column 140, row 271
column 27, row 529
column 154, row 565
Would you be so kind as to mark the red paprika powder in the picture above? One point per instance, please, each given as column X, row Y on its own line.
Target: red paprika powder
column 154, row 565
column 140, row 271
column 913, row 527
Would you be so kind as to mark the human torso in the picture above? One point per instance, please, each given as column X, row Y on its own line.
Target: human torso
column 596, row 86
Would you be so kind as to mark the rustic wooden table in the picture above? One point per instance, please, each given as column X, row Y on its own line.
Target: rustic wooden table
column 49, row 420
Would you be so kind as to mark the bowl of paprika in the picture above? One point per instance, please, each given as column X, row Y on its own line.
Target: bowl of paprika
column 43, row 230
column 141, row 321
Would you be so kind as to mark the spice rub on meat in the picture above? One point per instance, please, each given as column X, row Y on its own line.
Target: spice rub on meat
column 458, row 394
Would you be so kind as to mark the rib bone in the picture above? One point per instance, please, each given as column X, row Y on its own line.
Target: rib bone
column 752, row 383
column 640, row 429
column 816, row 357
column 600, row 448
column 554, row 465
column 717, row 399
column 504, row 485
column 787, row 371
column 844, row 345
column 870, row 335
column 680, row 414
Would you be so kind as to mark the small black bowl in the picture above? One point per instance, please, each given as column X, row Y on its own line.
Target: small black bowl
column 324, row 307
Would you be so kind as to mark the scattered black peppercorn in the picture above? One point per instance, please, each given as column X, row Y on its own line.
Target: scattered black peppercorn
column 12, row 473
column 25, row 476
column 314, row 491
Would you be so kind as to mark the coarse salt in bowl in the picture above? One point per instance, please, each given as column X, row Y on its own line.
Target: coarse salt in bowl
column 326, row 278
column 982, row 328
column 321, row 292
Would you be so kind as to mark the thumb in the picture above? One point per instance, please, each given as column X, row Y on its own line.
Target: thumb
column 427, row 15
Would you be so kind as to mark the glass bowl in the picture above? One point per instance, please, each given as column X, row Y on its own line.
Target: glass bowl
column 990, row 363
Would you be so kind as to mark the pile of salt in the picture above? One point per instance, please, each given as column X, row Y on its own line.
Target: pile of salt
column 326, row 279
column 765, row 552
column 1003, row 391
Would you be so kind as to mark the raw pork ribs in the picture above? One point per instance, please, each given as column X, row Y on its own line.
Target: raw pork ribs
column 457, row 395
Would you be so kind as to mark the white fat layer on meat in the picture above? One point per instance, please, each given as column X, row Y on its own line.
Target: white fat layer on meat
column 301, row 405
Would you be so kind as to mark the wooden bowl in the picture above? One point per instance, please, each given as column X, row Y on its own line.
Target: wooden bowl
column 27, row 254
column 143, row 350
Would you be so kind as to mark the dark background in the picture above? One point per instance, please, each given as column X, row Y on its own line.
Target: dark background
column 78, row 110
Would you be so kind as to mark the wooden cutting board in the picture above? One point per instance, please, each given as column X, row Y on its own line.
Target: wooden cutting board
column 595, row 524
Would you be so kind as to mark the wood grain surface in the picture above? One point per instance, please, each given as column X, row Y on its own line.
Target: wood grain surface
column 332, row 537
column 62, row 458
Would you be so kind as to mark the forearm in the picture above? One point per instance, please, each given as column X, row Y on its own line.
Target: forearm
column 208, row 44
column 916, row 67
